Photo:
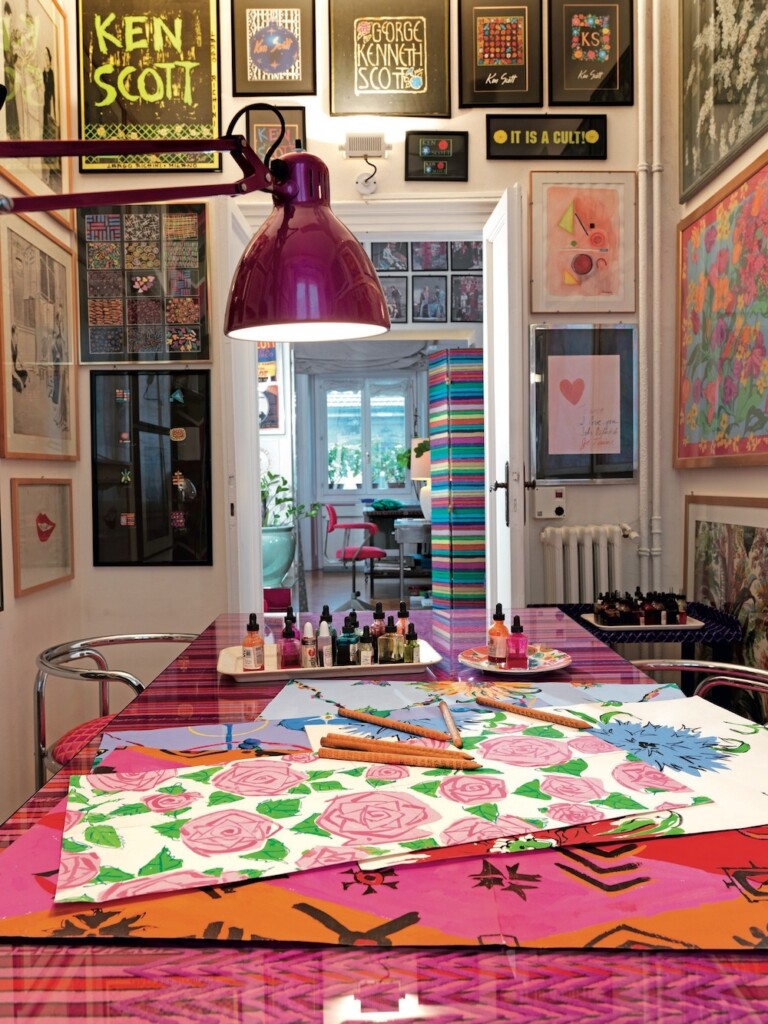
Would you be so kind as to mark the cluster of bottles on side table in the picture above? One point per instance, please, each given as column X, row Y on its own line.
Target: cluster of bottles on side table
column 652, row 609
column 507, row 645
column 378, row 642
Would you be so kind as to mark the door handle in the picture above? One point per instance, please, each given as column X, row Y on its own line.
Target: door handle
column 503, row 485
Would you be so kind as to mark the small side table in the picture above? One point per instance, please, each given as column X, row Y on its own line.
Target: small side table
column 410, row 531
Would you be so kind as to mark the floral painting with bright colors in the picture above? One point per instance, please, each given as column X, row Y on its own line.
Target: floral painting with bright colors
column 139, row 833
column 723, row 362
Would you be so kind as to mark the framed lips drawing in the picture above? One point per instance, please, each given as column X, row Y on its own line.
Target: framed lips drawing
column 43, row 543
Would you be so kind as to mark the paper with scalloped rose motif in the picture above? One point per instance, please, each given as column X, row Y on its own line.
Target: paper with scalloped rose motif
column 132, row 834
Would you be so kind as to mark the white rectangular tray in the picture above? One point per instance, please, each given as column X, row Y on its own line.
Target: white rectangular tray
column 230, row 663
column 690, row 624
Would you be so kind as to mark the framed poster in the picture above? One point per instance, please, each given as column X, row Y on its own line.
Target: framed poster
column 500, row 54
column 583, row 402
column 263, row 130
column 726, row 563
column 396, row 294
column 39, row 327
column 546, row 137
column 273, row 48
column 722, row 327
column 583, row 228
column 466, row 255
column 390, row 57
column 429, row 255
column 591, row 53
column 389, row 256
column 723, row 98
column 148, row 72
column 144, row 291
column 428, row 297
column 35, row 71
column 271, row 388
column 467, row 298
column 43, row 538
column 436, row 156
column 151, row 467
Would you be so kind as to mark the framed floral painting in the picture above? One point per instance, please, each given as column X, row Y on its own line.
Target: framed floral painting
column 722, row 362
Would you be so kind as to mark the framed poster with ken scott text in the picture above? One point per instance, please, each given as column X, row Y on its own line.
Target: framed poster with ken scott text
column 500, row 55
column 591, row 53
column 143, row 283
column 150, row 72
column 273, row 48
column 436, row 156
column 264, row 131
column 390, row 57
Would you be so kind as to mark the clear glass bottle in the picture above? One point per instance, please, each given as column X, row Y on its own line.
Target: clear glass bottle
column 377, row 629
column 411, row 646
column 365, row 647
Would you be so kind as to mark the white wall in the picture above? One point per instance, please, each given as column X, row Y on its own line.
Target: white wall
column 106, row 600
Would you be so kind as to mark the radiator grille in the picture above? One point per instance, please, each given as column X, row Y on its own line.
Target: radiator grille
column 581, row 562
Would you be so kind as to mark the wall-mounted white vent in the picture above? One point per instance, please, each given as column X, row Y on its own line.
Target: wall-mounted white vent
column 365, row 145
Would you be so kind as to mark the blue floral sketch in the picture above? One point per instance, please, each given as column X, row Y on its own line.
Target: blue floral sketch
column 664, row 746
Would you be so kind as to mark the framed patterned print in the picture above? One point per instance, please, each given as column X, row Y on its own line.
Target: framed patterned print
column 273, row 48
column 500, row 54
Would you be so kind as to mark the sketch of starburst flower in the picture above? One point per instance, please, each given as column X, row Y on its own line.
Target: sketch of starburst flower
column 664, row 746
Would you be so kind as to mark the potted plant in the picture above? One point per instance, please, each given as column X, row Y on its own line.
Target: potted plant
column 279, row 515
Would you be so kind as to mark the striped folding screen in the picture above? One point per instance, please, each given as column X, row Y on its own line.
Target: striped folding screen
column 458, row 478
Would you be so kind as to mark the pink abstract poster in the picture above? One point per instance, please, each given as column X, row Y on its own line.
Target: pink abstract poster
column 583, row 401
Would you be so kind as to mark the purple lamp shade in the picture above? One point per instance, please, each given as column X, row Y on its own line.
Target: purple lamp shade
column 304, row 276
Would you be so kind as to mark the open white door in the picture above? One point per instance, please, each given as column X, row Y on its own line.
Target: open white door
column 506, row 389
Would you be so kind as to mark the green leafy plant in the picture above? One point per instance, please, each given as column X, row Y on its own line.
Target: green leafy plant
column 404, row 457
column 278, row 507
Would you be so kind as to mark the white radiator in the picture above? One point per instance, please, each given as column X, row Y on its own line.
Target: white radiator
column 581, row 562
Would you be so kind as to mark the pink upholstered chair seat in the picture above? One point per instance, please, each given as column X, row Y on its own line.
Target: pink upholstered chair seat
column 73, row 741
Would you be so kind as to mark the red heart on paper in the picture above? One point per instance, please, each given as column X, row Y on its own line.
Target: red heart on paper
column 572, row 390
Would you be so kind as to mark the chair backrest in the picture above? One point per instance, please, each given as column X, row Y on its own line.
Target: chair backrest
column 333, row 519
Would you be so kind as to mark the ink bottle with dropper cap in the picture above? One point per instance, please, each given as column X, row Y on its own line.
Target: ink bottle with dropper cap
column 411, row 646
column 325, row 616
column 291, row 614
column 517, row 646
column 346, row 644
column 308, row 647
column 289, row 647
column 253, row 646
column 324, row 646
column 365, row 647
column 390, row 643
column 497, row 638
column 402, row 619
column 377, row 628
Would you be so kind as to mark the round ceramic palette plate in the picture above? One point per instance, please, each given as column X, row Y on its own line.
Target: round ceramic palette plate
column 540, row 659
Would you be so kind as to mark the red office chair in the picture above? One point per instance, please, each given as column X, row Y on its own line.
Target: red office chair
column 353, row 553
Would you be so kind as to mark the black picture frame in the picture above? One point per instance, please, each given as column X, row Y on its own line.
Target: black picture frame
column 143, row 283
column 408, row 79
column 467, row 255
column 263, row 127
column 151, row 467
column 171, row 92
column 396, row 293
column 467, row 298
column 429, row 256
column 546, row 137
column 500, row 54
column 389, row 256
column 429, row 298
column 437, row 156
column 591, row 62
column 273, row 48
column 583, row 402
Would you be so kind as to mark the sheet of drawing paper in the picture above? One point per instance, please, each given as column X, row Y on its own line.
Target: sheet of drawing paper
column 166, row 829
column 204, row 737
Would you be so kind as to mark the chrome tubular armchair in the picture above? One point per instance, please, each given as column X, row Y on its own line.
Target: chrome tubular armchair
column 55, row 661
column 714, row 673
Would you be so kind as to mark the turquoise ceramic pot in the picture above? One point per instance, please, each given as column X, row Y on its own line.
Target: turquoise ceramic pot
column 278, row 545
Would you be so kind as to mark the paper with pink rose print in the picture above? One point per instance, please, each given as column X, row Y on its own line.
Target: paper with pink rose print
column 156, row 831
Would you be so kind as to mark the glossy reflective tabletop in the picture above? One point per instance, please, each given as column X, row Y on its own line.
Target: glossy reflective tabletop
column 222, row 982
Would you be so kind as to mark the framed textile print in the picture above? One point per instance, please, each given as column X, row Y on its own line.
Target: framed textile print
column 591, row 53
column 273, row 48
column 149, row 72
column 436, row 156
column 43, row 536
column 723, row 85
column 143, row 283
column 583, row 241
column 390, row 57
column 583, row 402
column 264, row 131
column 726, row 563
column 500, row 54
column 35, row 71
column 37, row 370
column 722, row 363
column 151, row 467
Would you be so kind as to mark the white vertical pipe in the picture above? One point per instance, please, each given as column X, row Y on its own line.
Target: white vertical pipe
column 657, row 168
column 643, row 298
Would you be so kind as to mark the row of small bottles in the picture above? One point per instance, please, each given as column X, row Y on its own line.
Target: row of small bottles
column 380, row 642
column 652, row 609
column 507, row 645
